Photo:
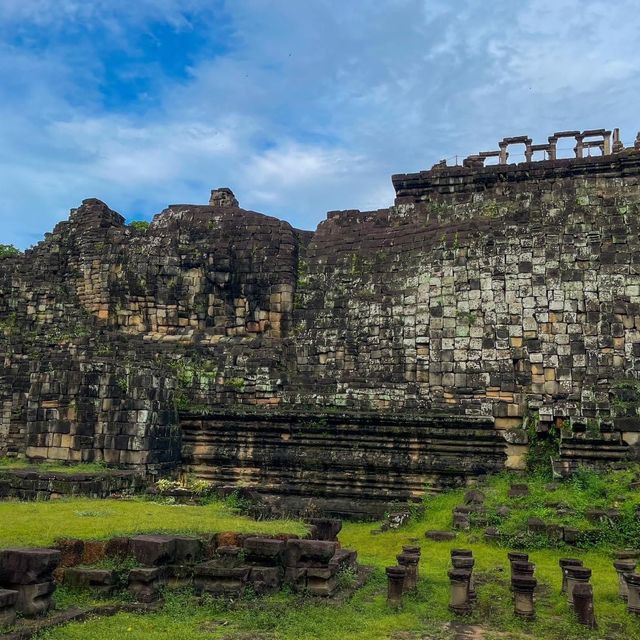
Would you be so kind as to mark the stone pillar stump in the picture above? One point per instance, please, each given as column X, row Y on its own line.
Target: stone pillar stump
column 564, row 564
column 395, row 585
column 523, row 587
column 459, row 595
column 583, row 604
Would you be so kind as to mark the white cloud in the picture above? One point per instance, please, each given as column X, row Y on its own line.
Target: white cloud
column 313, row 106
column 58, row 13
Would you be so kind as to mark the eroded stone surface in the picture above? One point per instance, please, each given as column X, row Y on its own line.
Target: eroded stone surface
column 481, row 293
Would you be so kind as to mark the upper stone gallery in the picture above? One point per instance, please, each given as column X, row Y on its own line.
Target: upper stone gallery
column 412, row 344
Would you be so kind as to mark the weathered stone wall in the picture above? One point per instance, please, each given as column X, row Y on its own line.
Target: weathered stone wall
column 29, row 484
column 509, row 292
column 344, row 464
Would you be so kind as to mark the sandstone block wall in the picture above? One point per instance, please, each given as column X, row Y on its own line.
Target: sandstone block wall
column 506, row 293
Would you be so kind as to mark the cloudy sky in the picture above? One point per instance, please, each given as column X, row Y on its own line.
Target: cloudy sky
column 299, row 106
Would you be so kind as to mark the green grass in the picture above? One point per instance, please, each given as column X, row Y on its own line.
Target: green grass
column 366, row 616
column 52, row 467
column 585, row 490
column 41, row 523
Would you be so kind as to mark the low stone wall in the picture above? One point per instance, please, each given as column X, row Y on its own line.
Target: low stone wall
column 226, row 564
column 29, row 484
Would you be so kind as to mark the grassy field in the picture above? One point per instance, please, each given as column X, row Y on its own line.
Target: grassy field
column 366, row 616
column 53, row 467
column 40, row 523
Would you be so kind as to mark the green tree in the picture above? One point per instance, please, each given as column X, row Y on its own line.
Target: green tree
column 8, row 250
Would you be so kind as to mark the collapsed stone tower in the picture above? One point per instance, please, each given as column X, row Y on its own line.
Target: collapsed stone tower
column 354, row 366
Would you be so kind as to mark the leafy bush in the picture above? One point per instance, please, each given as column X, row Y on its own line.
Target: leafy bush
column 543, row 447
column 140, row 225
column 347, row 578
column 8, row 250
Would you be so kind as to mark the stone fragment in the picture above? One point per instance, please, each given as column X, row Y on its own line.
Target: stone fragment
column 633, row 591
column 263, row 551
column 410, row 562
column 492, row 534
column 28, row 566
column 100, row 581
column 522, row 568
column 146, row 583
column 570, row 535
column 117, row 547
column 465, row 563
column 395, row 520
column 309, row 553
column 29, row 572
column 71, row 551
column 536, row 525
column 517, row 556
column 474, row 497
column 265, row 579
column 223, row 197
column 321, row 581
column 93, row 551
column 8, row 600
column 345, row 559
column 440, row 536
column 152, row 550
column 325, row 528
column 188, row 550
column 34, row 599
column 461, row 521
column 518, row 491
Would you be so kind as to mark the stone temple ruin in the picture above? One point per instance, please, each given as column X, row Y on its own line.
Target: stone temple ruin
column 352, row 367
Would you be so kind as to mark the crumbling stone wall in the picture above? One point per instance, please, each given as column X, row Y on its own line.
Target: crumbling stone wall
column 507, row 292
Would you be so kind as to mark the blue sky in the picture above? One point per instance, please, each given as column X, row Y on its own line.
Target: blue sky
column 299, row 107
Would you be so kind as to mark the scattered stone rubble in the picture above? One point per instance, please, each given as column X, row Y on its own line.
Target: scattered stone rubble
column 227, row 564
column 223, row 564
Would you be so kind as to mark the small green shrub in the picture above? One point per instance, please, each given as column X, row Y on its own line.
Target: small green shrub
column 8, row 250
column 235, row 383
column 347, row 578
column 140, row 225
column 237, row 503
column 543, row 446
